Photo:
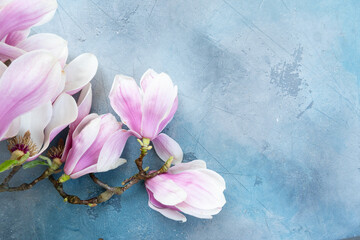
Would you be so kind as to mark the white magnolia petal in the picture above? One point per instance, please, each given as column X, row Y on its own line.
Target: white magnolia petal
column 55, row 44
column 193, row 165
column 79, row 72
column 166, row 147
column 36, row 121
column 169, row 213
column 64, row 113
column 13, row 130
column 111, row 151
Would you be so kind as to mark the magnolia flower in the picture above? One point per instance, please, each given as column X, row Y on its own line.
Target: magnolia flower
column 31, row 81
column 96, row 144
column 147, row 110
column 17, row 17
column 75, row 75
column 190, row 188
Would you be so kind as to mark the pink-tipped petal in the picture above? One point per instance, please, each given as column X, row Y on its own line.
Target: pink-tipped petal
column 69, row 137
column 30, row 81
column 87, row 170
column 193, row 165
column 158, row 100
column 147, row 79
column 20, row 15
column 169, row 213
column 9, row 52
column 79, row 72
column 64, row 112
column 108, row 125
column 47, row 41
column 165, row 190
column 166, row 147
column 83, row 137
column 125, row 99
column 202, row 191
column 15, row 38
column 111, row 151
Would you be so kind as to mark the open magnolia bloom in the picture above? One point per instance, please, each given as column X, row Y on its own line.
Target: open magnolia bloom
column 96, row 146
column 147, row 110
column 75, row 75
column 190, row 188
column 31, row 81
column 17, row 17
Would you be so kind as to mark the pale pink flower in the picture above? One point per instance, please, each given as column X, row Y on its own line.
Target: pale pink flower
column 147, row 110
column 30, row 82
column 190, row 188
column 96, row 145
column 17, row 17
column 75, row 74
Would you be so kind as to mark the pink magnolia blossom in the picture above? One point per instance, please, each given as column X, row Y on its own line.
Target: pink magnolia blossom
column 190, row 188
column 75, row 74
column 30, row 82
column 147, row 110
column 96, row 145
column 17, row 17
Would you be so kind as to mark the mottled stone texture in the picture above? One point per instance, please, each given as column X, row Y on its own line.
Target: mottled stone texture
column 268, row 96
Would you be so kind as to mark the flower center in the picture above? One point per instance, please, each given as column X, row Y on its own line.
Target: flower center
column 56, row 151
column 23, row 144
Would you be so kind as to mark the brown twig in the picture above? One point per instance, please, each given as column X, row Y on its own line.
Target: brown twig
column 26, row 186
column 6, row 181
column 76, row 200
column 110, row 191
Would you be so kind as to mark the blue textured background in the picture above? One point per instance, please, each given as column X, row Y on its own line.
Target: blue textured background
column 269, row 97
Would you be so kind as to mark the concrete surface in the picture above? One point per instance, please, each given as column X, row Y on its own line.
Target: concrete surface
column 268, row 96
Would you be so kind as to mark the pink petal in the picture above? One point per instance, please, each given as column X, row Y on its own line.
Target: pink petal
column 81, row 141
column 112, row 150
column 125, row 99
column 158, row 100
column 193, row 165
column 15, row 38
column 30, row 81
column 47, row 41
column 87, row 170
column 9, row 52
column 165, row 190
column 79, row 72
column 108, row 125
column 169, row 213
column 74, row 132
column 20, row 15
column 202, row 190
column 166, row 147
